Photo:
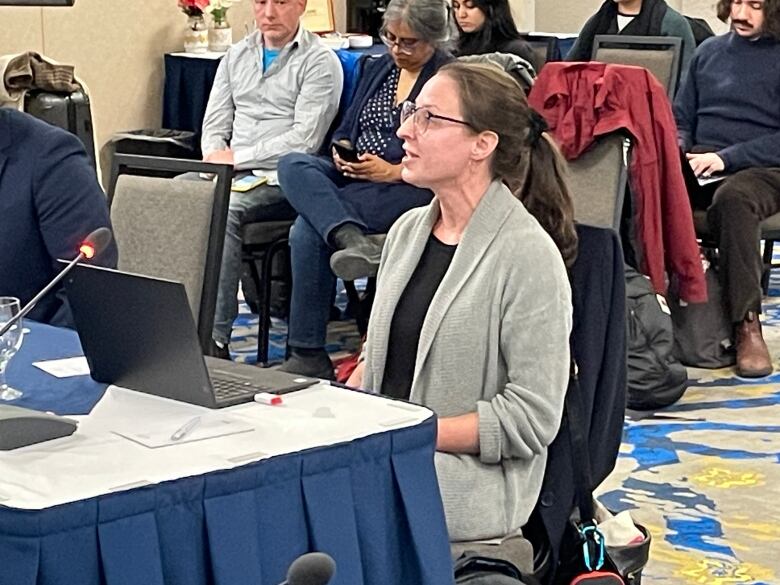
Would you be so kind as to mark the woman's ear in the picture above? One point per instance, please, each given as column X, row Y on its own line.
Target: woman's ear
column 484, row 145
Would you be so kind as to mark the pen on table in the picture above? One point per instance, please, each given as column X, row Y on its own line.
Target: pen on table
column 185, row 429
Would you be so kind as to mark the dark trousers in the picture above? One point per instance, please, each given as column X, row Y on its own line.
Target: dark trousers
column 735, row 208
column 325, row 200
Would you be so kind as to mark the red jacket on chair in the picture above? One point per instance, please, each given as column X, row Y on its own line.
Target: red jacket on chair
column 582, row 101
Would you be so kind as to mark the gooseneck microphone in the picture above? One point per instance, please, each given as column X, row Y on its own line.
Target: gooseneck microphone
column 313, row 568
column 92, row 245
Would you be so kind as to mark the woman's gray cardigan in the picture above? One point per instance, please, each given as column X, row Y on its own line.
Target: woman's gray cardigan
column 495, row 340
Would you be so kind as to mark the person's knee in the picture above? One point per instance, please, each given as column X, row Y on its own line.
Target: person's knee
column 290, row 165
column 729, row 201
column 303, row 236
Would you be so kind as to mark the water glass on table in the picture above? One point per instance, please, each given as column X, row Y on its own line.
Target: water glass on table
column 10, row 342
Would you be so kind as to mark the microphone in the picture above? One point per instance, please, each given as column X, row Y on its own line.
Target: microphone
column 313, row 568
column 92, row 245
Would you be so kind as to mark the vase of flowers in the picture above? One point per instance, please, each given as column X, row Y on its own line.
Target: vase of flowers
column 220, row 32
column 196, row 38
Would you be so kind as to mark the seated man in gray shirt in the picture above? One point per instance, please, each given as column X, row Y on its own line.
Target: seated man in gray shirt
column 276, row 91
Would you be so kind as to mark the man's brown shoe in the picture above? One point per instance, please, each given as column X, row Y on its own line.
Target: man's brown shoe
column 753, row 359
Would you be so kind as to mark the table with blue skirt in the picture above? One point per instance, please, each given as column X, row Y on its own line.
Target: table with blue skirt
column 372, row 503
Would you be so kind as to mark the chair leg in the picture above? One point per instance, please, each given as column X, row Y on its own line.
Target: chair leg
column 767, row 260
column 362, row 304
column 264, row 325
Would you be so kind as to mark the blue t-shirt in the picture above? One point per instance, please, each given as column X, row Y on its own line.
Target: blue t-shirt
column 268, row 57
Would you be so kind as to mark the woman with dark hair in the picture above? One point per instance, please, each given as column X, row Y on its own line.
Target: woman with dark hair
column 358, row 190
column 487, row 26
column 473, row 310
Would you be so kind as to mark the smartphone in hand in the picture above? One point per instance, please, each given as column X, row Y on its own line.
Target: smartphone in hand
column 346, row 152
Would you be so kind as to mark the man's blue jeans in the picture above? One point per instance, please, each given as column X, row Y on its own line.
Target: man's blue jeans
column 326, row 200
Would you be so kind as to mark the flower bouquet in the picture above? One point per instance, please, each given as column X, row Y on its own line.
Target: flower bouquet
column 193, row 7
column 218, row 11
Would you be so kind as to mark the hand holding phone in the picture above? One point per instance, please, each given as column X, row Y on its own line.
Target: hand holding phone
column 346, row 151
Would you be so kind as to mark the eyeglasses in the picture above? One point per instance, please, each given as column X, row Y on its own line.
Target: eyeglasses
column 405, row 45
column 421, row 117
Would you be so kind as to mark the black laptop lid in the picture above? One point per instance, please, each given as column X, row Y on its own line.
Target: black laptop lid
column 138, row 332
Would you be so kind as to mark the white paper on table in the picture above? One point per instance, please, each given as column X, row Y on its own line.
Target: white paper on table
column 211, row 426
column 65, row 368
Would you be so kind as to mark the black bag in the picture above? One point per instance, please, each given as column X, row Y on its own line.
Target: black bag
column 702, row 332
column 473, row 569
column 655, row 377
column 700, row 28
column 70, row 112
column 585, row 558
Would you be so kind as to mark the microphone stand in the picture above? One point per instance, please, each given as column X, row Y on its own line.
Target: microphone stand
column 29, row 306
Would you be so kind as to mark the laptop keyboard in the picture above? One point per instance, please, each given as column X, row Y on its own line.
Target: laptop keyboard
column 225, row 388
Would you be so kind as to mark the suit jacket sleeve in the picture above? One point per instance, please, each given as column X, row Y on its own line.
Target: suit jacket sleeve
column 69, row 203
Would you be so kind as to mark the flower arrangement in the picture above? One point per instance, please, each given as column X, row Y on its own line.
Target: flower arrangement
column 218, row 10
column 193, row 7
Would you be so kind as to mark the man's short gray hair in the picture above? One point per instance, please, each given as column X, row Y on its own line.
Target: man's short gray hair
column 429, row 19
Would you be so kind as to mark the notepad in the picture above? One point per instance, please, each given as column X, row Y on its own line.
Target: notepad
column 212, row 426
column 247, row 183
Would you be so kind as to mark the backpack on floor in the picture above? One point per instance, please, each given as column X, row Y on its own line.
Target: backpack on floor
column 702, row 332
column 655, row 377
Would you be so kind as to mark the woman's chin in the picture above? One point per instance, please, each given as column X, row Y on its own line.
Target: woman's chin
column 409, row 175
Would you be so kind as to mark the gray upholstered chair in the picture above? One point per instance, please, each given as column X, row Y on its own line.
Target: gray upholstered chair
column 598, row 179
column 172, row 229
column 659, row 55
column 544, row 47
column 770, row 233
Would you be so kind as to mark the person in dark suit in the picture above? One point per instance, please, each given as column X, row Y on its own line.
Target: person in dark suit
column 339, row 201
column 50, row 200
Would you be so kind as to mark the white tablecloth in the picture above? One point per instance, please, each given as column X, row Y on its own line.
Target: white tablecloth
column 97, row 459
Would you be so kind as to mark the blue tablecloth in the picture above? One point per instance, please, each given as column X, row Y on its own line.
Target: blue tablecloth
column 373, row 504
column 43, row 391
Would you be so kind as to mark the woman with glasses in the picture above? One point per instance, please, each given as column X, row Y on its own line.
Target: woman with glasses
column 473, row 310
column 487, row 26
column 342, row 198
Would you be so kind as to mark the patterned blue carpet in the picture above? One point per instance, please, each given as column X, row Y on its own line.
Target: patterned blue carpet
column 706, row 482
column 343, row 336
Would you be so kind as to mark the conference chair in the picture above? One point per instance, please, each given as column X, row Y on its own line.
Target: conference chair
column 172, row 229
column 598, row 179
column 770, row 233
column 659, row 55
column 598, row 342
column 545, row 48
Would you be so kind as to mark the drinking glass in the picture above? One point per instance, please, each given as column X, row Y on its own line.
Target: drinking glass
column 10, row 342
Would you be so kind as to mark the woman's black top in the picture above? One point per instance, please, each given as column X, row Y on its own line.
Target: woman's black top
column 409, row 317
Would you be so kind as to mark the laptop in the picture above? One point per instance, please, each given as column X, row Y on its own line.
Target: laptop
column 138, row 332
